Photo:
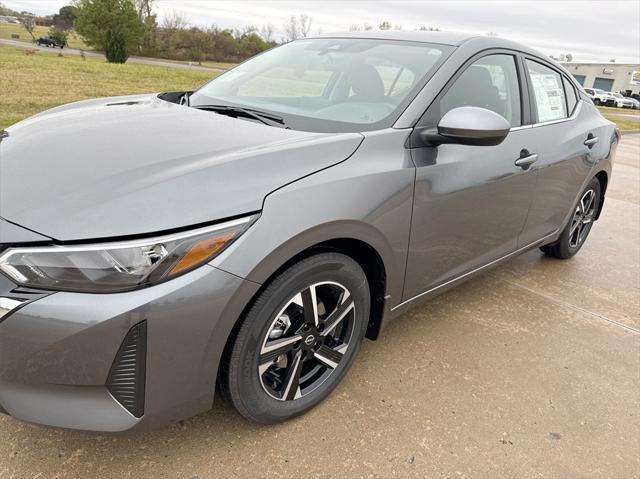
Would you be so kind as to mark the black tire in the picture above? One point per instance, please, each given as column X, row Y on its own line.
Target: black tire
column 240, row 380
column 596, row 102
column 579, row 226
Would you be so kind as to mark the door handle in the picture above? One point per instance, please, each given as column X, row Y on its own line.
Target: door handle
column 526, row 159
column 591, row 140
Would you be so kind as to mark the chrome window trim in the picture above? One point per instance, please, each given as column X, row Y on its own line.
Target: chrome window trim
column 574, row 115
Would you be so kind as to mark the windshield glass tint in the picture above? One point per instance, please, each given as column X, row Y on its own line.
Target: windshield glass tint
column 329, row 84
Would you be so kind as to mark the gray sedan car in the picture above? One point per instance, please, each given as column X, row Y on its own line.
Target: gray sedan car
column 247, row 236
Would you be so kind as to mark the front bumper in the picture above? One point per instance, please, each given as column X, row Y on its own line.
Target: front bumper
column 57, row 351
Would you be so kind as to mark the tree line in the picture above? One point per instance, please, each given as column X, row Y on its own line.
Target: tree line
column 131, row 27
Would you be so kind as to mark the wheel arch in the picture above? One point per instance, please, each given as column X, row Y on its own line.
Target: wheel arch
column 362, row 251
column 360, row 241
column 603, row 178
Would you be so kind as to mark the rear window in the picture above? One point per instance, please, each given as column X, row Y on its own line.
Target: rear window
column 548, row 92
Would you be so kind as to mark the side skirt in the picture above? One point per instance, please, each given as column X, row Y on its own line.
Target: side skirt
column 441, row 288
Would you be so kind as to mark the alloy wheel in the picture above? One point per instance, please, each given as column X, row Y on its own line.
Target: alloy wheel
column 306, row 341
column 582, row 218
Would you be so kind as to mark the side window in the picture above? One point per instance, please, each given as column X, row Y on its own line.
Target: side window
column 548, row 92
column 492, row 83
column 571, row 95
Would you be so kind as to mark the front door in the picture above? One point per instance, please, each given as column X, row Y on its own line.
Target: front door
column 470, row 202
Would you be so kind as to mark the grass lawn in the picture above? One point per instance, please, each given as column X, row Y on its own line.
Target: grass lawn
column 33, row 83
column 625, row 124
column 8, row 29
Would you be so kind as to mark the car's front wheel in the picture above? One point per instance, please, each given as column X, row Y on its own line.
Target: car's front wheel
column 575, row 233
column 298, row 339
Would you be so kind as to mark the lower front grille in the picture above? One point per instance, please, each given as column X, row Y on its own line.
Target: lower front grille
column 127, row 375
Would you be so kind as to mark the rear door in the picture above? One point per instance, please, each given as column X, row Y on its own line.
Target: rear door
column 569, row 139
column 470, row 202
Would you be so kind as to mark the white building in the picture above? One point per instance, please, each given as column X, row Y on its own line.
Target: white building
column 617, row 77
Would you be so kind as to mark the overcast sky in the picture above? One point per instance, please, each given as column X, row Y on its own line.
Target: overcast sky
column 590, row 30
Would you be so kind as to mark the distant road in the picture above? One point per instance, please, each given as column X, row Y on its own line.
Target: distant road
column 140, row 60
column 632, row 116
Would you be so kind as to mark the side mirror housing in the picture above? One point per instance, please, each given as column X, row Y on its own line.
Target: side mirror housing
column 468, row 125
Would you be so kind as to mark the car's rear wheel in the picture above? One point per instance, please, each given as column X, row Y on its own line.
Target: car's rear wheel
column 596, row 101
column 298, row 339
column 575, row 233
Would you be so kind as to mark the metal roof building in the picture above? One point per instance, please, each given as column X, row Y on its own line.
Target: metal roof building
column 616, row 77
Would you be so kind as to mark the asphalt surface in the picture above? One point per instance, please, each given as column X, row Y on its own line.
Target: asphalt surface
column 132, row 59
column 531, row 370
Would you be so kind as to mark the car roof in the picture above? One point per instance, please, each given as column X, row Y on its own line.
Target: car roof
column 443, row 38
column 453, row 38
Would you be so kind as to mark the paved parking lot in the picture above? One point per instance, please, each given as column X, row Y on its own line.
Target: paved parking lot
column 531, row 370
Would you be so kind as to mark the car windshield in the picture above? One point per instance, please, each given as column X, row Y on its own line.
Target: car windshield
column 599, row 91
column 617, row 95
column 329, row 84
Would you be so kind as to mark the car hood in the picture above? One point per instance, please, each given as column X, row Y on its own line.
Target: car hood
column 124, row 166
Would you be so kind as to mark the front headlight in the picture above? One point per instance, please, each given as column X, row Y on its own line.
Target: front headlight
column 113, row 267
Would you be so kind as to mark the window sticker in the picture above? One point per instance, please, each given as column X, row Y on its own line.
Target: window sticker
column 549, row 96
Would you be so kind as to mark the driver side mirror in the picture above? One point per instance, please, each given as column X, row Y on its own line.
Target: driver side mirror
column 468, row 125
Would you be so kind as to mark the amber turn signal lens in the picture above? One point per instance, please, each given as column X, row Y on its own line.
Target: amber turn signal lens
column 200, row 252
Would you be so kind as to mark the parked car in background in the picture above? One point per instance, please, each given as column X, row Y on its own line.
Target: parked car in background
column 600, row 97
column 252, row 233
column 623, row 101
column 48, row 42
column 635, row 102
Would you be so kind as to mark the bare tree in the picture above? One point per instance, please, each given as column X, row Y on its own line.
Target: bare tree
column 355, row 27
column 385, row 25
column 144, row 8
column 266, row 31
column 298, row 27
column 492, row 34
column 248, row 29
column 291, row 28
column 304, row 24
column 368, row 26
column 175, row 21
column 30, row 25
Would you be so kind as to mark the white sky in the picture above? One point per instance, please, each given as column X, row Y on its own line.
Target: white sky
column 590, row 30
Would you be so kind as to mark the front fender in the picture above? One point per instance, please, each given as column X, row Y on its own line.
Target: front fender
column 366, row 198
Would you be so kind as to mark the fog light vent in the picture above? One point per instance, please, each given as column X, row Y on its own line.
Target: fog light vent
column 127, row 375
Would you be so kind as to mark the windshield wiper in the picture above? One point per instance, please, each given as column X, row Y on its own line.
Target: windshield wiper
column 236, row 111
